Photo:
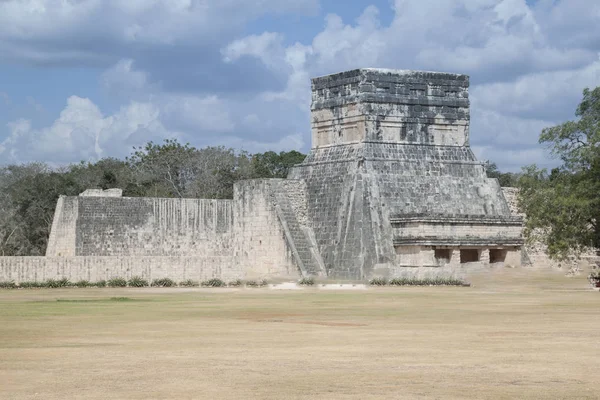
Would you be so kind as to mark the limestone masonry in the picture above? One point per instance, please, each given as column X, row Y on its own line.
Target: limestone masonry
column 390, row 188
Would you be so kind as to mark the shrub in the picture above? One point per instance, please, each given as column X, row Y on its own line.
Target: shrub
column 215, row 282
column 260, row 283
column 236, row 283
column 594, row 278
column 57, row 283
column 188, row 283
column 310, row 281
column 8, row 285
column 31, row 285
column 164, row 282
column 378, row 282
column 117, row 282
column 400, row 282
column 83, row 284
column 137, row 281
column 426, row 282
column 101, row 283
column 64, row 282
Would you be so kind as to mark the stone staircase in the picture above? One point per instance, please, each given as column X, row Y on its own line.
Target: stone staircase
column 299, row 236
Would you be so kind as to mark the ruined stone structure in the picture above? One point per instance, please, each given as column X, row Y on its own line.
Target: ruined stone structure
column 392, row 182
column 390, row 187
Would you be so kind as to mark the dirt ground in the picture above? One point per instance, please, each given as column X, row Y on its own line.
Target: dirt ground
column 522, row 334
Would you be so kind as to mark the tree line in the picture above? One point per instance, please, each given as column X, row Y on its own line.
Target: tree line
column 28, row 192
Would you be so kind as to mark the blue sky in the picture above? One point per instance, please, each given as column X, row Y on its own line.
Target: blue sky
column 81, row 80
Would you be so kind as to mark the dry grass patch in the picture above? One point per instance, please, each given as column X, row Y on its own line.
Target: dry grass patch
column 514, row 334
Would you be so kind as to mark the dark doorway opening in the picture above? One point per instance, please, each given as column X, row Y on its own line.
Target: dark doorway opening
column 497, row 255
column 442, row 256
column 469, row 255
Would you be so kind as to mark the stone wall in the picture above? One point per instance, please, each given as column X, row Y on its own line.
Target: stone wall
column 390, row 106
column 457, row 228
column 94, row 268
column 64, row 227
column 130, row 226
column 261, row 248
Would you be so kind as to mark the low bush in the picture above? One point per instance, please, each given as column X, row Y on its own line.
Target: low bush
column 116, row 282
column 137, row 281
column 83, row 284
column 8, row 285
column 57, row 283
column 32, row 285
column 215, row 282
column 260, row 283
column 163, row 282
column 310, row 281
column 236, row 283
column 188, row 283
column 426, row 282
column 101, row 283
column 378, row 282
column 594, row 278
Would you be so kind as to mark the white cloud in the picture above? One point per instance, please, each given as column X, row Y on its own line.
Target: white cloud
column 542, row 94
column 267, row 47
column 298, row 83
column 197, row 114
column 82, row 132
column 528, row 65
column 59, row 30
column 123, row 79
column 522, row 79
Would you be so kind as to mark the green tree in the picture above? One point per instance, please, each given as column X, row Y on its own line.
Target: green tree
column 563, row 206
column 274, row 165
column 163, row 170
column 29, row 194
column 505, row 179
column 173, row 169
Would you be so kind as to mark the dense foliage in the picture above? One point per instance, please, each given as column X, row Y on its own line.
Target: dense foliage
column 506, row 179
column 28, row 192
column 563, row 206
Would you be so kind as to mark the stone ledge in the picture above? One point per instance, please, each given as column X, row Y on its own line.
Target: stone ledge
column 458, row 241
column 387, row 98
column 457, row 219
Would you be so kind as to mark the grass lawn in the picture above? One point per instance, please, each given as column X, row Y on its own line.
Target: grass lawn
column 514, row 334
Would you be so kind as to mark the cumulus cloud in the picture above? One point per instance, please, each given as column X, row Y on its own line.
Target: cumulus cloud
column 58, row 30
column 267, row 47
column 538, row 95
column 82, row 132
column 187, row 68
column 522, row 78
column 123, row 79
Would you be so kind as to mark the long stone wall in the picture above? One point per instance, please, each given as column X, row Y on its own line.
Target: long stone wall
column 93, row 268
column 127, row 226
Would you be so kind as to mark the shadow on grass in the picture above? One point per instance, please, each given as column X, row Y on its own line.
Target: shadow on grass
column 120, row 299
